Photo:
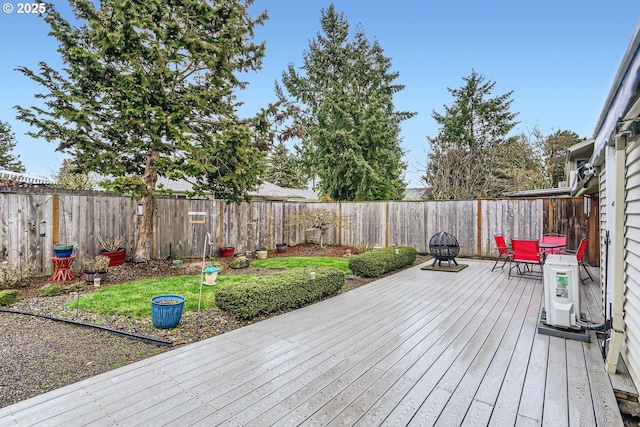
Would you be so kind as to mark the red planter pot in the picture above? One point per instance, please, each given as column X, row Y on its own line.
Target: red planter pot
column 227, row 252
column 115, row 258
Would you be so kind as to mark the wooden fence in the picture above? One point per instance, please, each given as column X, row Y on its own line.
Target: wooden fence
column 79, row 218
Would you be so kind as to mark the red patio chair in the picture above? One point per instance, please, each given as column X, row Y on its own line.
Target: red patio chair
column 580, row 252
column 555, row 239
column 504, row 251
column 527, row 252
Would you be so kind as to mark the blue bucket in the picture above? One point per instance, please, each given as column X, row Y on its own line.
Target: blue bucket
column 165, row 315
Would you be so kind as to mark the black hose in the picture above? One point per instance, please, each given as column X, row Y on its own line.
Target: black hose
column 137, row 337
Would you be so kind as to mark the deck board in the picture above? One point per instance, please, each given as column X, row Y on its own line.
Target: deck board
column 416, row 347
column 580, row 403
column 556, row 406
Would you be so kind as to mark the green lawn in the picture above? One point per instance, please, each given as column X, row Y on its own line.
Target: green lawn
column 134, row 298
column 295, row 262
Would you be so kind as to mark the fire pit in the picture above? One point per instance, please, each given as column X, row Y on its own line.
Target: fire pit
column 444, row 247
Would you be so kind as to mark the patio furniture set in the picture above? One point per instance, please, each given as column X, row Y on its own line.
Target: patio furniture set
column 525, row 253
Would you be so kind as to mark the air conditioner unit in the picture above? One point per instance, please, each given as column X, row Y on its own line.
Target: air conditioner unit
column 561, row 291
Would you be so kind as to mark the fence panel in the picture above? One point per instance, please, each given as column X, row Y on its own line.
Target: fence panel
column 407, row 225
column 366, row 224
column 81, row 217
column 511, row 218
column 576, row 218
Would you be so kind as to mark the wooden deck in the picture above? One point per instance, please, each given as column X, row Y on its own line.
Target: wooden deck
column 415, row 348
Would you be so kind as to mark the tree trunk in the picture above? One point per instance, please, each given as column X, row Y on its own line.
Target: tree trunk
column 145, row 231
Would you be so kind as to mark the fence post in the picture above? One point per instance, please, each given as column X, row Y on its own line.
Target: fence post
column 341, row 224
column 271, row 225
column 479, row 228
column 386, row 231
column 56, row 218
column 550, row 206
column 154, row 228
column 221, row 217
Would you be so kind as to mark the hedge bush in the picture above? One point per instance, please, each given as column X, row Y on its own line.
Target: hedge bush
column 10, row 296
column 376, row 262
column 281, row 291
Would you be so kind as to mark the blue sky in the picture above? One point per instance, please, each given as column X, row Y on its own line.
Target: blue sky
column 558, row 57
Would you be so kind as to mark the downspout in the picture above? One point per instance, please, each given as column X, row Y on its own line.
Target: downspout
column 618, row 258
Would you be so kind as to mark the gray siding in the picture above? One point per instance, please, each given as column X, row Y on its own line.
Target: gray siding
column 631, row 346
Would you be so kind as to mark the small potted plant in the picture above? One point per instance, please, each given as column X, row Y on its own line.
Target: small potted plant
column 262, row 252
column 114, row 249
column 227, row 251
column 95, row 268
column 281, row 247
column 62, row 250
column 166, row 311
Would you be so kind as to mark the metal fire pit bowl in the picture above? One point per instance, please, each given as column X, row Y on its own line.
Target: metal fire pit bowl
column 444, row 247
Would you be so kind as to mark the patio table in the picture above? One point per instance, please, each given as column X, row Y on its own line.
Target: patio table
column 550, row 246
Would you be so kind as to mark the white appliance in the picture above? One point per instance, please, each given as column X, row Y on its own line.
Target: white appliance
column 561, row 291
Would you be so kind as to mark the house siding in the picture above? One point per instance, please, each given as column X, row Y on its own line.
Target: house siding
column 631, row 344
column 603, row 227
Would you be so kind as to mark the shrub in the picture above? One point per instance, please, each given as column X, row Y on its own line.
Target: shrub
column 73, row 287
column 111, row 244
column 96, row 264
column 13, row 275
column 9, row 296
column 376, row 262
column 320, row 219
column 281, row 291
column 50, row 290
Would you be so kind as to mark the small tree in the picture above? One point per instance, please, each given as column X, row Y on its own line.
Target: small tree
column 8, row 142
column 284, row 168
column 318, row 219
column 67, row 177
column 555, row 148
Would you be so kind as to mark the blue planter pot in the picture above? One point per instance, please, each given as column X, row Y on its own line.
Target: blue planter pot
column 166, row 311
column 62, row 251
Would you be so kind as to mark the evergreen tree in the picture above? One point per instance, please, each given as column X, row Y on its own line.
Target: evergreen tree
column 467, row 158
column 284, row 168
column 148, row 90
column 555, row 148
column 67, row 177
column 344, row 100
column 518, row 166
column 8, row 142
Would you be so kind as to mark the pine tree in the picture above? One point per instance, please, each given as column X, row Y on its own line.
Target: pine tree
column 67, row 177
column 345, row 100
column 555, row 148
column 284, row 168
column 148, row 89
column 467, row 157
column 8, row 142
